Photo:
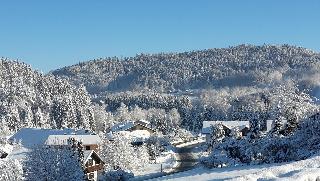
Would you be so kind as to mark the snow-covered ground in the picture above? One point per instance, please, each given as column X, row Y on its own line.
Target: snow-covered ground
column 167, row 160
column 308, row 169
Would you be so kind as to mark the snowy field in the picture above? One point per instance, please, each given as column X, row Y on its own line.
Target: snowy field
column 308, row 169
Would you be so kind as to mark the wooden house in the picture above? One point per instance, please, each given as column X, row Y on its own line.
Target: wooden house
column 93, row 164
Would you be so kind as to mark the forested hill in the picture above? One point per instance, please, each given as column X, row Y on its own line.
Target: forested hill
column 243, row 65
column 30, row 99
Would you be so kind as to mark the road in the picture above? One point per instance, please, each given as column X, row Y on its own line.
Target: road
column 186, row 158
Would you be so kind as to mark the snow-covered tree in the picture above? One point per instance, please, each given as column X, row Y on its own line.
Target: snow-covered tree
column 31, row 99
column 11, row 170
column 119, row 154
column 279, row 125
column 241, row 65
column 216, row 136
column 50, row 163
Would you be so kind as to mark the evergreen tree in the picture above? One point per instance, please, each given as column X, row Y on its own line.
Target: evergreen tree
column 216, row 136
column 11, row 170
column 48, row 163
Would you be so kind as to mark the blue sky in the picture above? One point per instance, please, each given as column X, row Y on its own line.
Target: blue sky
column 52, row 34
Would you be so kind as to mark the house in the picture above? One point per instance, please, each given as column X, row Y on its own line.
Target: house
column 138, row 131
column 270, row 125
column 228, row 127
column 93, row 164
column 133, row 126
column 31, row 137
column 143, row 122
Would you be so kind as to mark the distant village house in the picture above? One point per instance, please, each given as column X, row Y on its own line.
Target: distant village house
column 133, row 126
column 138, row 130
column 228, row 127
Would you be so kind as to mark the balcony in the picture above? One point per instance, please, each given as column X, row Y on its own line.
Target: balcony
column 94, row 168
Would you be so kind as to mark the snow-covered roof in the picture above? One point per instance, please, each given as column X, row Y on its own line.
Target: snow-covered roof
column 87, row 154
column 136, row 135
column 122, row 126
column 19, row 153
column 30, row 137
column 144, row 122
column 63, row 139
column 206, row 128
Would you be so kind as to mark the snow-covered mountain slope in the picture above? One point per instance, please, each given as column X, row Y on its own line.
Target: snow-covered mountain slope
column 211, row 84
column 243, row 65
column 308, row 169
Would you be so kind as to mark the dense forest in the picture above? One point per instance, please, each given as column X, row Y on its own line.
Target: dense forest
column 216, row 84
column 31, row 99
column 243, row 65
column 175, row 92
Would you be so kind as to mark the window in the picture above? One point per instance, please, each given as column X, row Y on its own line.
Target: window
column 91, row 176
column 98, row 161
column 87, row 147
column 90, row 162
